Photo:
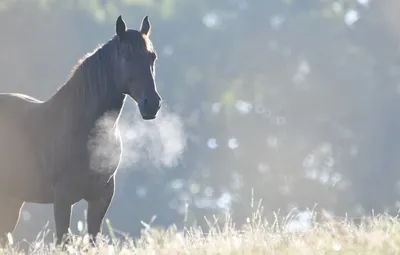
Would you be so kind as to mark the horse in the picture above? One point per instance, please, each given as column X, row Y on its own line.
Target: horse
column 45, row 156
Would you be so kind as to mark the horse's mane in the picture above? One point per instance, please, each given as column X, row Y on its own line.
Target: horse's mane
column 92, row 72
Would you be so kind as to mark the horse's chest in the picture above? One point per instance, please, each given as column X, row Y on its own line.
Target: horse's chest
column 93, row 185
column 104, row 153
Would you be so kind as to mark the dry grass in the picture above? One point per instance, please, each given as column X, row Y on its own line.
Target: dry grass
column 379, row 235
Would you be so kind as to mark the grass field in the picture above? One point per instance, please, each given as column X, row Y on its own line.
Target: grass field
column 378, row 235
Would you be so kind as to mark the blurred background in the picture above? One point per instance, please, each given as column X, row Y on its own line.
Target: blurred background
column 293, row 104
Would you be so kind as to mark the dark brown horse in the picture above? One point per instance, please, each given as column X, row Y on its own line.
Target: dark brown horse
column 44, row 152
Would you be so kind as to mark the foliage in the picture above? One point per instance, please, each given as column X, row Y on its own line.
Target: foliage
column 378, row 235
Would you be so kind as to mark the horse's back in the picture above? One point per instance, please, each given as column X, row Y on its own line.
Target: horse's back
column 15, row 111
column 16, row 101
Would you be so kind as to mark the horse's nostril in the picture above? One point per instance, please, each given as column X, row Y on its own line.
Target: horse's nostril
column 145, row 101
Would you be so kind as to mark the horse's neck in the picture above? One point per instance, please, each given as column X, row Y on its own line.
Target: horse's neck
column 82, row 113
column 84, row 100
column 70, row 121
column 96, row 108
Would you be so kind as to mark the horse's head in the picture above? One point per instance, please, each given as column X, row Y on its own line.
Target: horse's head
column 135, row 63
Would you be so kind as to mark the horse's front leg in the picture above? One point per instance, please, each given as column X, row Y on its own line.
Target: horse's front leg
column 64, row 198
column 97, row 209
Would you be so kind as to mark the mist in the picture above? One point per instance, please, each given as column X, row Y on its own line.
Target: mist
column 160, row 142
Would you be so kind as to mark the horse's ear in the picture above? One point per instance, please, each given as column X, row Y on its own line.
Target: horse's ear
column 145, row 28
column 120, row 27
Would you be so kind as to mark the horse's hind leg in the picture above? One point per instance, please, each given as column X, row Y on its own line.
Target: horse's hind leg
column 10, row 209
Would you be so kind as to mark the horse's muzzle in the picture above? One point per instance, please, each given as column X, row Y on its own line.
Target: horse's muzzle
column 148, row 117
column 149, row 108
